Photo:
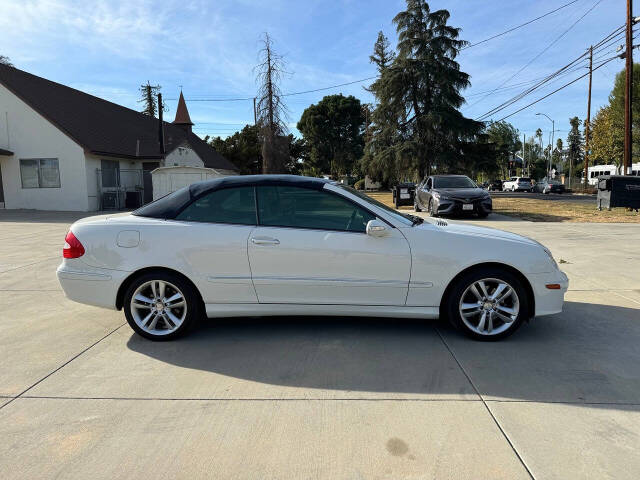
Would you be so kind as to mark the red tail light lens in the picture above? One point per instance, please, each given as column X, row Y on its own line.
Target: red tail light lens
column 72, row 247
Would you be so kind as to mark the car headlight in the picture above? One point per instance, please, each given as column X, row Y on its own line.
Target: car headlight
column 439, row 196
column 553, row 260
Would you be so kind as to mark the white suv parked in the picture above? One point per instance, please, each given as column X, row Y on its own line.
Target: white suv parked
column 523, row 184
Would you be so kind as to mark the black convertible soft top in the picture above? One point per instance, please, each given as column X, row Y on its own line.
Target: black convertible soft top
column 170, row 205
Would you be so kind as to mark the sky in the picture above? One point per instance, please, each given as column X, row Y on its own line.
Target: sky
column 210, row 49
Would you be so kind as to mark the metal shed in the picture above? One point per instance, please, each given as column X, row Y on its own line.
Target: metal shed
column 169, row 179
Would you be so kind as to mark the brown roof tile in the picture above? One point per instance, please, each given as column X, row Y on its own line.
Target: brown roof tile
column 102, row 127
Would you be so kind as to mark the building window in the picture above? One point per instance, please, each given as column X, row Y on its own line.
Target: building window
column 40, row 173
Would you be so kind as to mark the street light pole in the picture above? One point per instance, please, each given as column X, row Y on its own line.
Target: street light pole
column 553, row 135
column 628, row 96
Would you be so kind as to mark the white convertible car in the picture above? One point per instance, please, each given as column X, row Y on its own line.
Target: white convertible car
column 288, row 245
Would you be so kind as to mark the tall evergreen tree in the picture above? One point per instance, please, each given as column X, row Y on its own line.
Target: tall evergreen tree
column 270, row 109
column 379, row 160
column 149, row 98
column 557, row 153
column 423, row 87
column 575, row 145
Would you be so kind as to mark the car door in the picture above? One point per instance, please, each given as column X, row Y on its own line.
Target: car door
column 425, row 192
column 311, row 247
column 212, row 237
column 419, row 189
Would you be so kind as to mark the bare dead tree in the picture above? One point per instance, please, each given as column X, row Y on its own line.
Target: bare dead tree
column 271, row 112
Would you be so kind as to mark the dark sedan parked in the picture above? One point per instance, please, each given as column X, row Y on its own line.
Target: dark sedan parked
column 450, row 195
column 495, row 185
column 548, row 186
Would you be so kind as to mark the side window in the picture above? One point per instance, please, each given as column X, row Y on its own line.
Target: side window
column 230, row 205
column 284, row 206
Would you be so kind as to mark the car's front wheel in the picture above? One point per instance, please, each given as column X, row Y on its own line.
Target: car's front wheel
column 432, row 209
column 487, row 304
column 161, row 305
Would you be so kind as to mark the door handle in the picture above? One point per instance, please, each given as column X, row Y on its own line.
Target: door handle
column 265, row 241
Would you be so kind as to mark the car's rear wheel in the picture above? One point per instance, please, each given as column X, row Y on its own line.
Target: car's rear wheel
column 487, row 304
column 161, row 305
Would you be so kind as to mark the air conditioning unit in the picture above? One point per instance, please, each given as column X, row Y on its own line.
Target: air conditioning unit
column 110, row 201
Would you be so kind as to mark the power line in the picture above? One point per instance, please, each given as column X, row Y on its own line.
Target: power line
column 527, row 92
column 240, row 99
column 519, row 26
column 571, row 67
column 328, row 88
column 542, row 52
column 531, row 89
column 558, row 89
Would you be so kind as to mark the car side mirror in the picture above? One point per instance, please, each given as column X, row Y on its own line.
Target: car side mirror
column 376, row 228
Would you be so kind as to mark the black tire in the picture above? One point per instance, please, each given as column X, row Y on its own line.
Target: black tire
column 192, row 301
column 451, row 305
column 432, row 212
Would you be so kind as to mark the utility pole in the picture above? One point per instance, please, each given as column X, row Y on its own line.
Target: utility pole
column 553, row 138
column 255, row 113
column 524, row 140
column 586, row 128
column 255, row 124
column 628, row 93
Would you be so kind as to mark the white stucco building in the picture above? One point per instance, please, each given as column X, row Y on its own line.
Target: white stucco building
column 62, row 149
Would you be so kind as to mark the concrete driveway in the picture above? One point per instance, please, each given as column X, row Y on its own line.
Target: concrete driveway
column 279, row 398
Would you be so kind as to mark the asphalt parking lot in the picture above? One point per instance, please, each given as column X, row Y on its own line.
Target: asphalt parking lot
column 81, row 396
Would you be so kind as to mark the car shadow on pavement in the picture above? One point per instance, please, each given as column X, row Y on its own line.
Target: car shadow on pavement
column 587, row 354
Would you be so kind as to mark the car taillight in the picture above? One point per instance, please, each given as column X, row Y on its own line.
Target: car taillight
column 72, row 246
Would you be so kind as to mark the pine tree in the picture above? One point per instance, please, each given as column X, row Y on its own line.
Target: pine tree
column 379, row 160
column 270, row 109
column 149, row 98
column 575, row 145
column 423, row 88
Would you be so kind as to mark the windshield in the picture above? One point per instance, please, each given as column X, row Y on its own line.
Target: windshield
column 402, row 217
column 453, row 182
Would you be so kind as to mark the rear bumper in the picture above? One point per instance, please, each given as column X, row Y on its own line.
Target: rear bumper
column 548, row 301
column 90, row 286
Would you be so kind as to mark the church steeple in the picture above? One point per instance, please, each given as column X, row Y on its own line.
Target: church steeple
column 182, row 115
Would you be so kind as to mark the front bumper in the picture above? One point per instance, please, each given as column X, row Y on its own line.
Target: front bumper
column 454, row 206
column 548, row 301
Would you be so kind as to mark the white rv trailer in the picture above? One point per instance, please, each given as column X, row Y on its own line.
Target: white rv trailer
column 607, row 170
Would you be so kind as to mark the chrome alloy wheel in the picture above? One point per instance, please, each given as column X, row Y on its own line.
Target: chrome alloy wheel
column 489, row 306
column 158, row 307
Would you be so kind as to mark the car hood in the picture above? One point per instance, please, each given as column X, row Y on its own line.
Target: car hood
column 470, row 193
column 474, row 231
